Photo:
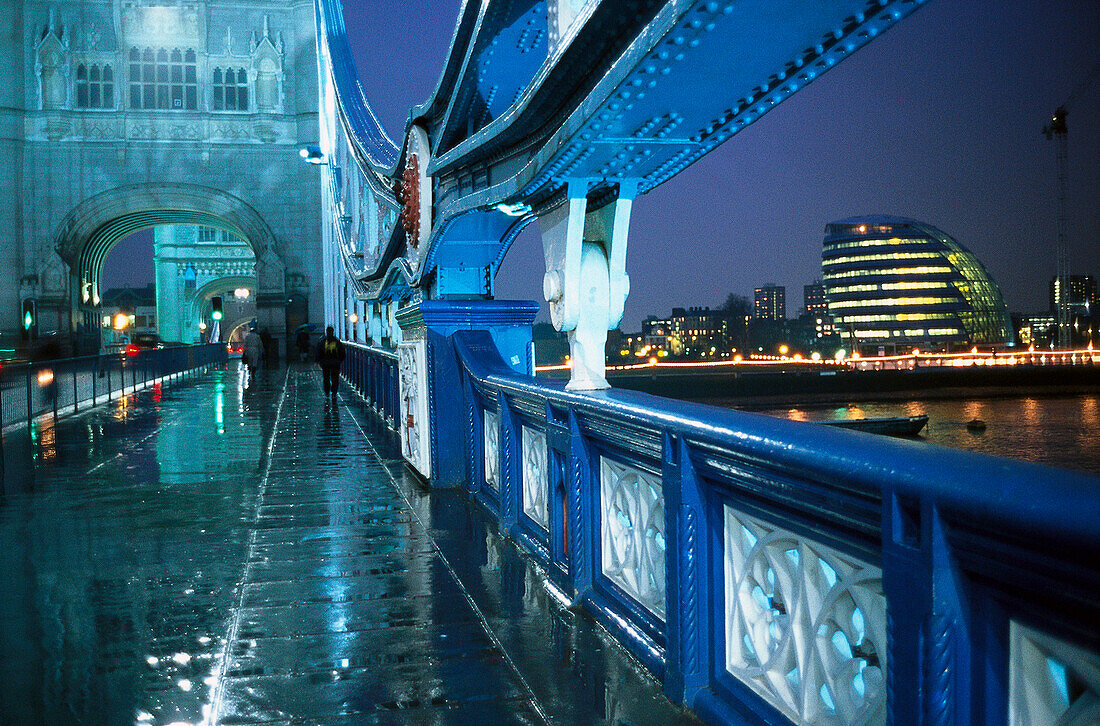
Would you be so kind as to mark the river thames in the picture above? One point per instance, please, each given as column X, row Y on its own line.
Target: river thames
column 1061, row 431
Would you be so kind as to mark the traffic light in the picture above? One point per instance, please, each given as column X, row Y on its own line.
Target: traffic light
column 216, row 302
column 30, row 317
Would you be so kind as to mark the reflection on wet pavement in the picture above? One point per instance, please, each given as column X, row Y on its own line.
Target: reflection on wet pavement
column 255, row 555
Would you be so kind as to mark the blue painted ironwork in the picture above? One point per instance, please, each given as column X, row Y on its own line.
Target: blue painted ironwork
column 372, row 372
column 963, row 544
column 767, row 571
column 515, row 119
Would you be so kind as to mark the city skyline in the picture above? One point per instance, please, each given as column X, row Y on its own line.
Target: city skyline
column 952, row 138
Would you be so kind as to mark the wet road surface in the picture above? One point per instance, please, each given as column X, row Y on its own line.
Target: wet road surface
column 216, row 553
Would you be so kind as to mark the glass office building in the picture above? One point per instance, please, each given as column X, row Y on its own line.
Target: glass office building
column 902, row 284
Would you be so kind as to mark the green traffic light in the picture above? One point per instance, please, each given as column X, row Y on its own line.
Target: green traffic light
column 28, row 321
column 217, row 314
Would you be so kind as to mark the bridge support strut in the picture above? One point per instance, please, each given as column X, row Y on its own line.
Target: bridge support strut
column 586, row 282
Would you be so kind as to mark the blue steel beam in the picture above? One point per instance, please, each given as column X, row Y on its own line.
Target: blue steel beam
column 529, row 99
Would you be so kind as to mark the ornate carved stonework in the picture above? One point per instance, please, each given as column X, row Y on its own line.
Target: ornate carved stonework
column 159, row 24
column 632, row 528
column 492, row 450
column 535, row 480
column 1050, row 680
column 414, row 426
column 805, row 626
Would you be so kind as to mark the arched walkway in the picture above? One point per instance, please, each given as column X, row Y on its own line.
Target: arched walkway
column 91, row 229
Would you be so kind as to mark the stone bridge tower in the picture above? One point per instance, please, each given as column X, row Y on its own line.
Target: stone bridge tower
column 121, row 115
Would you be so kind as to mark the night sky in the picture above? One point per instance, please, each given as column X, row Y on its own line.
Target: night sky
column 938, row 119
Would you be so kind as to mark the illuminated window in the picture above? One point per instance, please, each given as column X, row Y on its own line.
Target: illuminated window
column 230, row 89
column 892, row 242
column 163, row 79
column 879, row 258
column 912, row 285
column 891, row 301
column 929, row 270
column 897, row 317
column 95, row 86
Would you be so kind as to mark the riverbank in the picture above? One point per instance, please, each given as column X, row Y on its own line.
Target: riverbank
column 753, row 389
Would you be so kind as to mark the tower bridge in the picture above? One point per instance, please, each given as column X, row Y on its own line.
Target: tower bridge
column 121, row 117
column 452, row 539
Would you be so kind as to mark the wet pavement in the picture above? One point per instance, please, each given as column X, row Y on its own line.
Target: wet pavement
column 216, row 553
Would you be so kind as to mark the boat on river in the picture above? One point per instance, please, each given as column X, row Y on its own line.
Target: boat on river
column 886, row 426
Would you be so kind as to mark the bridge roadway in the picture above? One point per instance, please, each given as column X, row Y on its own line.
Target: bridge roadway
column 213, row 553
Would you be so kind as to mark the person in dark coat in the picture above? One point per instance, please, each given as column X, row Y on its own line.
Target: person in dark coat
column 303, row 344
column 330, row 354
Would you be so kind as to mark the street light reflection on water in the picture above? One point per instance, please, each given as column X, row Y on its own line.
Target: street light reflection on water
column 219, row 407
column 1057, row 429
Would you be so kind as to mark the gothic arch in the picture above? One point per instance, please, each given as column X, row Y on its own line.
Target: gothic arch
column 196, row 303
column 91, row 229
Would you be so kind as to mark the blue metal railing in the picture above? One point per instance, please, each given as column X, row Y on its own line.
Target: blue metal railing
column 772, row 571
column 372, row 372
column 69, row 385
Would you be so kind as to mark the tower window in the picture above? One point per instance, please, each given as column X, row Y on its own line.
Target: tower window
column 164, row 79
column 230, row 89
column 95, row 86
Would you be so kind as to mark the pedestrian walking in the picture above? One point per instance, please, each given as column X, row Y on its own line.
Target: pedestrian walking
column 303, row 345
column 330, row 354
column 253, row 352
column 269, row 352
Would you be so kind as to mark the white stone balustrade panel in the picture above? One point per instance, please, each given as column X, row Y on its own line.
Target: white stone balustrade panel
column 805, row 626
column 632, row 533
column 535, row 479
column 492, row 450
column 1051, row 681
column 414, row 426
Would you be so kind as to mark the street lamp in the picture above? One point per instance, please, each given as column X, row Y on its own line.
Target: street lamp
column 312, row 155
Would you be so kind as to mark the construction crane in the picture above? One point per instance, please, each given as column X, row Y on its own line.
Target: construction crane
column 1057, row 131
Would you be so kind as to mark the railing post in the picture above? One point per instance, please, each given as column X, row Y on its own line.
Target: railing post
column 511, row 466
column 430, row 373
column 582, row 518
column 30, row 409
column 76, row 403
column 688, row 585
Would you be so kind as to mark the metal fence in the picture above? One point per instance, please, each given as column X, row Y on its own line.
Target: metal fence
column 69, row 385
column 372, row 372
column 772, row 571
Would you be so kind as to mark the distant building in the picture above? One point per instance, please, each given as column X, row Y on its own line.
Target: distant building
column 893, row 282
column 814, row 301
column 657, row 334
column 769, row 302
column 702, row 331
column 696, row 332
column 1081, row 292
column 1037, row 330
column 137, row 303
